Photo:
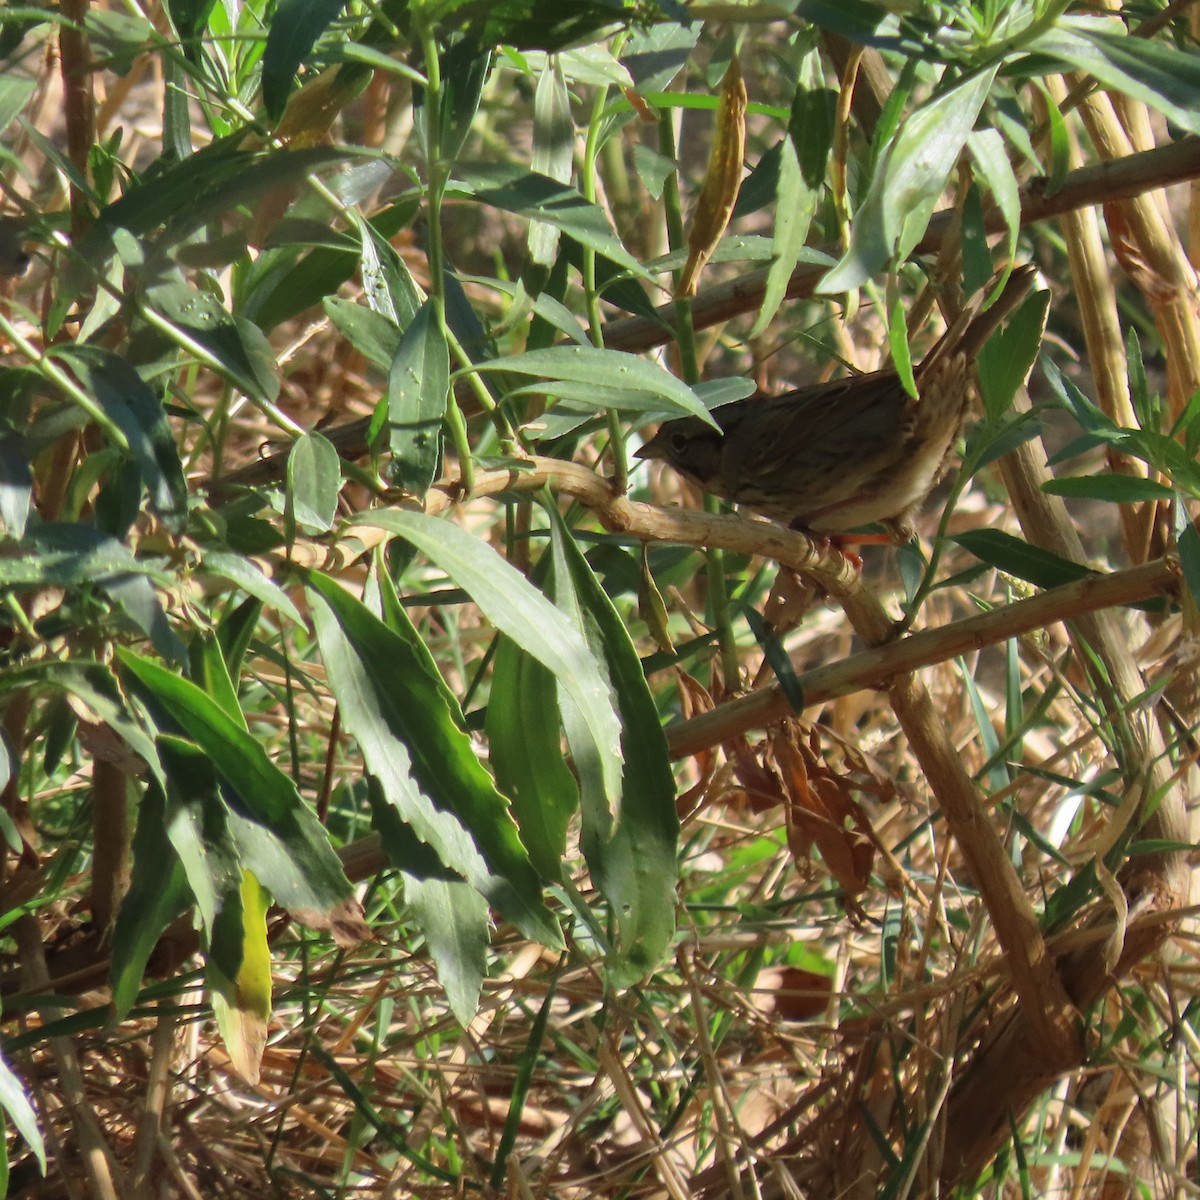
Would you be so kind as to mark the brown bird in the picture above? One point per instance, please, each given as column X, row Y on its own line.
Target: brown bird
column 835, row 456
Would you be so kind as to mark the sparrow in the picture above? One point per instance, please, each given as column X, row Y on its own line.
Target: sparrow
column 832, row 457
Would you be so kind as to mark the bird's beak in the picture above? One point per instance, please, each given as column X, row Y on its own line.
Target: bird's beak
column 652, row 449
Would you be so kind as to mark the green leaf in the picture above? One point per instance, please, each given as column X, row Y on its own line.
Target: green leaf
column 1016, row 557
column 995, row 168
column 196, row 821
column 608, row 369
column 632, row 855
column 16, row 1104
column 235, row 631
column 518, row 609
column 539, row 198
column 373, row 335
column 158, row 894
column 16, row 484
column 210, row 671
column 803, row 160
column 73, row 555
column 235, row 753
column 388, row 284
column 314, row 480
column 242, row 1004
column 909, row 181
column 426, row 765
column 1149, row 69
column 231, row 345
column 553, row 150
column 15, row 91
column 138, row 413
column 248, row 576
column 293, row 33
column 185, row 196
column 1187, row 539
column 418, row 391
column 190, row 17
column 1117, row 489
column 278, row 836
column 454, row 918
column 96, row 686
column 525, row 741
column 1009, row 354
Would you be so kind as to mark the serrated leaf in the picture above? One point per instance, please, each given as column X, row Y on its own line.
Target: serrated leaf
column 278, row 836
column 454, row 919
column 425, row 764
column 525, row 741
column 634, row 857
column 518, row 609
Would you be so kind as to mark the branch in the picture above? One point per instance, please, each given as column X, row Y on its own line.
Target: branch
column 876, row 668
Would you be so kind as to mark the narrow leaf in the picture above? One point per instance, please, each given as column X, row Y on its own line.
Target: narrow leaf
column 1117, row 489
column 425, row 764
column 1016, row 557
column 278, row 835
column 540, row 198
column 418, row 390
column 242, row 1006
column 635, row 858
column 293, row 33
column 908, row 182
column 454, row 918
column 314, row 479
column 158, row 893
column 518, row 609
column 525, row 739
column 16, row 1104
column 605, row 368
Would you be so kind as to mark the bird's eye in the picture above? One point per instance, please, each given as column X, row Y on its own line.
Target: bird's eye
column 679, row 442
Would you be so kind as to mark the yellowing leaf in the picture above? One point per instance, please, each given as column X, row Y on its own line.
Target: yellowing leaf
column 243, row 1007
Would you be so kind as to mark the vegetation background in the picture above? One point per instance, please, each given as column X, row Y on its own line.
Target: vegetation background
column 404, row 796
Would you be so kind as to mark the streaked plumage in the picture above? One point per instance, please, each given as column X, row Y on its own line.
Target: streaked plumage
column 839, row 455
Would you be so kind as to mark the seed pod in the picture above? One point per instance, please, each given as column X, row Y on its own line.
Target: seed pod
column 722, row 180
